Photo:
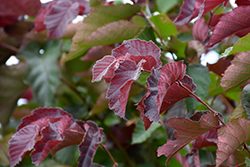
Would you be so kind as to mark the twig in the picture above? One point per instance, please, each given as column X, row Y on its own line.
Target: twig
column 4, row 151
column 74, row 89
column 151, row 24
column 12, row 48
column 111, row 157
column 199, row 99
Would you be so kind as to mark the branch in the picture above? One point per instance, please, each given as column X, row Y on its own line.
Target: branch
column 72, row 87
column 7, row 46
column 111, row 157
column 152, row 25
column 199, row 100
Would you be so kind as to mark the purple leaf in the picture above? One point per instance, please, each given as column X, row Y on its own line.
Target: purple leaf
column 50, row 138
column 235, row 22
column 186, row 13
column 159, row 83
column 104, row 68
column 200, row 30
column 61, row 13
column 21, row 142
column 120, row 85
column 89, row 145
column 230, row 137
column 207, row 139
column 175, row 93
column 41, row 115
column 137, row 47
column 191, row 9
column 186, row 131
column 242, row 2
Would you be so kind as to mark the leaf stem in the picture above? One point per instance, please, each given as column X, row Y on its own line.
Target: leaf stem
column 111, row 157
column 4, row 151
column 72, row 87
column 7, row 46
column 152, row 25
column 205, row 104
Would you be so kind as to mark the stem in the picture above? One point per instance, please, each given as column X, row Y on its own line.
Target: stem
column 152, row 25
column 4, row 151
column 199, row 100
column 245, row 147
column 122, row 150
column 111, row 157
column 72, row 87
column 7, row 46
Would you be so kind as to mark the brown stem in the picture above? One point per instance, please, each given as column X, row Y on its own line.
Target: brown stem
column 74, row 89
column 152, row 25
column 7, row 46
column 4, row 151
column 199, row 100
column 111, row 157
column 245, row 147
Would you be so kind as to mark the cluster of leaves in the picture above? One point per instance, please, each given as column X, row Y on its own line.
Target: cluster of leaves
column 127, row 46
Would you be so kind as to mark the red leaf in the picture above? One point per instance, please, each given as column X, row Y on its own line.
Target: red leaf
column 104, row 68
column 55, row 127
column 59, row 14
column 39, row 22
column 40, row 115
column 21, row 142
column 191, row 9
column 137, row 47
column 242, row 2
column 17, row 7
column 58, row 17
column 207, row 139
column 89, row 145
column 158, row 84
column 186, row 131
column 230, row 137
column 120, row 85
column 234, row 22
column 50, row 138
column 175, row 93
column 200, row 30
column 182, row 160
column 220, row 66
column 215, row 19
column 186, row 13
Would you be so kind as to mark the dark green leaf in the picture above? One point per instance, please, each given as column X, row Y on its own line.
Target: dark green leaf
column 140, row 134
column 11, row 88
column 177, row 47
column 43, row 75
column 201, row 78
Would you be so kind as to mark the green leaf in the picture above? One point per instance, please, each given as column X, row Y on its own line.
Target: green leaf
column 165, row 6
column 242, row 45
column 43, row 75
column 238, row 112
column 246, row 100
column 11, row 88
column 140, row 134
column 105, row 25
column 164, row 26
column 67, row 155
column 247, row 161
column 201, row 78
column 177, row 47
column 237, row 73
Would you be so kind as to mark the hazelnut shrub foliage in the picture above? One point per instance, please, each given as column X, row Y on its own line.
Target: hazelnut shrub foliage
column 125, row 86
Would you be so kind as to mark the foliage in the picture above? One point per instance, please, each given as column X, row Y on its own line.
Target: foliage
column 126, row 85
